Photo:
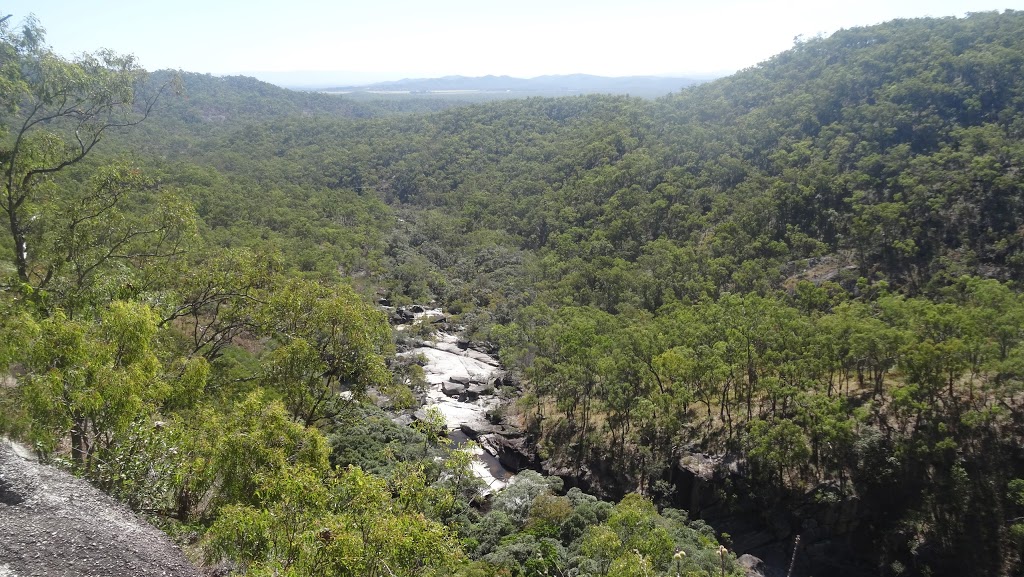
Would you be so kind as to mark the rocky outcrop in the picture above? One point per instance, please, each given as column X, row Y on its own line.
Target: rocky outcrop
column 699, row 479
column 752, row 566
column 515, row 454
column 52, row 523
column 477, row 430
column 453, row 389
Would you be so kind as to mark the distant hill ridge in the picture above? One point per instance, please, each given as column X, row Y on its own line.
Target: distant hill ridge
column 561, row 83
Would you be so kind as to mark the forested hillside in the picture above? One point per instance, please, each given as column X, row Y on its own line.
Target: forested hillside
column 786, row 302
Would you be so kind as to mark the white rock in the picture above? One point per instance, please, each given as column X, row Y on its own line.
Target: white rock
column 445, row 360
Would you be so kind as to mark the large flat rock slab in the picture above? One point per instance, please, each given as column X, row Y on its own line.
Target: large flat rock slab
column 54, row 524
column 444, row 366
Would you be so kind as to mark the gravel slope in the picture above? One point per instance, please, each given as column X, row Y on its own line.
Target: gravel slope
column 52, row 523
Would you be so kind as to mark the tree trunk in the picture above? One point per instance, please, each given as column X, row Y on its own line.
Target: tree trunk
column 78, row 443
column 20, row 245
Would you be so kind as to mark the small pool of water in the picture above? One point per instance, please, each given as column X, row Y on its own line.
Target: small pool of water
column 493, row 465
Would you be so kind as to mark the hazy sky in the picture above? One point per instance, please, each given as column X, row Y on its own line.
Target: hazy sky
column 389, row 39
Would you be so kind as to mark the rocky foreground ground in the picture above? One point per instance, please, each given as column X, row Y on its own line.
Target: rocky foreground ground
column 53, row 524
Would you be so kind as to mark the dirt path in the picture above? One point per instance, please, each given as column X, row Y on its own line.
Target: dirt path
column 53, row 524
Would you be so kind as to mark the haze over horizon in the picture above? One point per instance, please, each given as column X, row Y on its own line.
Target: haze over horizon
column 319, row 79
column 312, row 42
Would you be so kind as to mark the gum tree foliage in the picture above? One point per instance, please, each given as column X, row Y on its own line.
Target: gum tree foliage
column 577, row 534
column 333, row 342
column 53, row 113
column 315, row 522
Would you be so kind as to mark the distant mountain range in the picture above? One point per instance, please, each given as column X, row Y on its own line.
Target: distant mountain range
column 542, row 85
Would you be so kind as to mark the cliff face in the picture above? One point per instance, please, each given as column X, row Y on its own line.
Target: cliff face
column 52, row 523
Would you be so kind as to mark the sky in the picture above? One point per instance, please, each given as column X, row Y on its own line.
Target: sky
column 374, row 40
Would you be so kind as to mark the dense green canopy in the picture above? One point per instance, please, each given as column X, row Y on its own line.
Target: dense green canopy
column 812, row 266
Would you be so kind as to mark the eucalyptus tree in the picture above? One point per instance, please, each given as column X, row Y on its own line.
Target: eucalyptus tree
column 54, row 111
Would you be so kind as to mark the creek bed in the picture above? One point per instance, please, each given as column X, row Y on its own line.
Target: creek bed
column 447, row 362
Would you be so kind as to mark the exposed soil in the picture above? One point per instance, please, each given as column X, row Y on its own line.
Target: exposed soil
column 52, row 523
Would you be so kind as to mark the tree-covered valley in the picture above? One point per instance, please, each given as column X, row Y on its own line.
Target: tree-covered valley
column 779, row 313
